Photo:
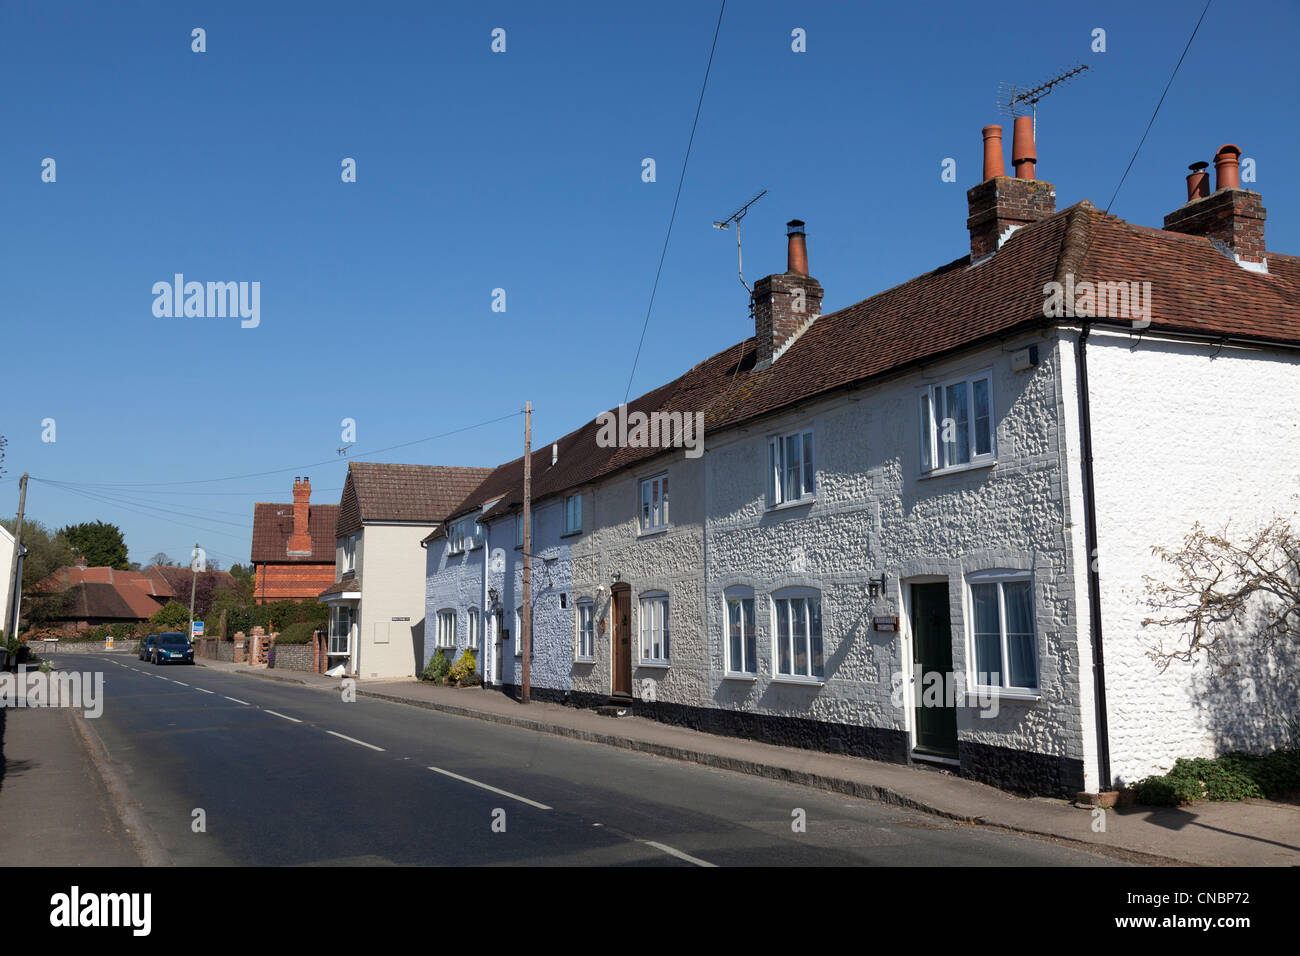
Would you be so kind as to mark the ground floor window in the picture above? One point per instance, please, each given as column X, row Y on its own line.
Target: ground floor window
column 473, row 628
column 654, row 629
column 797, row 634
column 446, row 628
column 341, row 620
column 586, row 630
column 742, row 649
column 1002, row 630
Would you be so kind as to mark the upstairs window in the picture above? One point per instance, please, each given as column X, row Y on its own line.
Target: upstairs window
column 957, row 423
column 654, row 503
column 572, row 514
column 790, row 472
column 349, row 553
column 519, row 530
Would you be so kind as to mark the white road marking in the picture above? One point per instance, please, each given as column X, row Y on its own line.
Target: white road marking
column 181, row 682
column 201, row 690
column 285, row 716
column 238, row 701
column 504, row 793
column 679, row 854
column 354, row 740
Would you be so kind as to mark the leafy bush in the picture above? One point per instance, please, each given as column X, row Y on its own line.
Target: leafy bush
column 437, row 667
column 1234, row 776
column 470, row 680
column 299, row 633
column 462, row 668
column 173, row 616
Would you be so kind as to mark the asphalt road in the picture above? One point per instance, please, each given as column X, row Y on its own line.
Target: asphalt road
column 288, row 775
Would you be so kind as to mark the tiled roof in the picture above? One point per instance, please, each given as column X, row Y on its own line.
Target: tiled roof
column 349, row 582
column 176, row 581
column 376, row 491
column 94, row 600
column 1195, row 289
column 273, row 523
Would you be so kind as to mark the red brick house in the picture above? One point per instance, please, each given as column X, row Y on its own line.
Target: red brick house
column 293, row 547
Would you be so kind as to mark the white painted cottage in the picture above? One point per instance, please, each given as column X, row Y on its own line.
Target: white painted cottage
column 921, row 523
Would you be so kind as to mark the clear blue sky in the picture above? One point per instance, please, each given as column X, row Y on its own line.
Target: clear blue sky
column 521, row 171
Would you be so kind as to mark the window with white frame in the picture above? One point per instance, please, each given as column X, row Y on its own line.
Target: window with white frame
column 572, row 514
column 957, row 426
column 790, row 472
column 797, row 634
column 1003, row 641
column 472, row 635
column 519, row 631
column 586, row 631
column 741, row 642
column 341, row 630
column 654, row 503
column 446, row 628
column 350, row 553
column 456, row 537
column 519, row 529
column 654, row 629
column 477, row 541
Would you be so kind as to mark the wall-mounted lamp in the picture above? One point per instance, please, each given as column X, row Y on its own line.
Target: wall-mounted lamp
column 617, row 577
column 876, row 586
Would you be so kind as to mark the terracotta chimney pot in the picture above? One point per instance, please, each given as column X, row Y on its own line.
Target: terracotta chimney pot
column 1225, row 167
column 993, row 165
column 1023, row 153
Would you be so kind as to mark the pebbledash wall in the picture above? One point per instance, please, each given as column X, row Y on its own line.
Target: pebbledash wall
column 668, row 561
column 1187, row 432
column 550, row 676
column 874, row 513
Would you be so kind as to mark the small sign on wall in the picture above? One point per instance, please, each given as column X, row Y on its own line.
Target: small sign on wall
column 884, row 624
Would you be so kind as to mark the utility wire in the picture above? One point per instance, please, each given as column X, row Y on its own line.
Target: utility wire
column 1158, row 105
column 671, row 219
column 298, row 468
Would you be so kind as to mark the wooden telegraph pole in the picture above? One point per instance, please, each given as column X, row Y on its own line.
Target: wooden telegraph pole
column 16, row 585
column 526, row 623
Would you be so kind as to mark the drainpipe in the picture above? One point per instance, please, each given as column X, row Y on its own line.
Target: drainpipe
column 1094, row 579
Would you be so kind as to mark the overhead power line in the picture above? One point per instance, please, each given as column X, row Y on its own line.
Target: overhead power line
column 676, row 199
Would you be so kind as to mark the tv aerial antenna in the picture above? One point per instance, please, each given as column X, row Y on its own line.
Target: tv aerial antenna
column 1015, row 100
column 735, row 217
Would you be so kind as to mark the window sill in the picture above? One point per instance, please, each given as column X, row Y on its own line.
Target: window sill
column 584, row 660
column 803, row 681
column 651, row 532
column 571, row 534
column 957, row 469
column 657, row 665
column 800, row 503
column 751, row 678
column 980, row 694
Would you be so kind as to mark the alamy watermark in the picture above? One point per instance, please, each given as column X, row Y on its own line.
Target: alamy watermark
column 947, row 689
column 215, row 300
column 624, row 429
column 55, row 689
column 1112, row 300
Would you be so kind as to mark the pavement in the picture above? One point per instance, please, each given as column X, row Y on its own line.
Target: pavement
column 1247, row 833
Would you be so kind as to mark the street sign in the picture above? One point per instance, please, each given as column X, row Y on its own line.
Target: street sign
column 198, row 629
column 108, row 643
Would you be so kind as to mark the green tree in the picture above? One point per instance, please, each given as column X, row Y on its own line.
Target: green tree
column 173, row 616
column 47, row 551
column 100, row 543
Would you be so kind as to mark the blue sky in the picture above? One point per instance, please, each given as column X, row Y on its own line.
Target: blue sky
column 522, row 171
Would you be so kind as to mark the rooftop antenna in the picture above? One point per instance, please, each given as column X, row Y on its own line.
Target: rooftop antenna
column 735, row 217
column 1012, row 99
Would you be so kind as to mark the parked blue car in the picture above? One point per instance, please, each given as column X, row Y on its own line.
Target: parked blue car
column 147, row 646
column 172, row 648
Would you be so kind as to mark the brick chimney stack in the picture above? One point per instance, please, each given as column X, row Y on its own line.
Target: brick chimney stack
column 300, row 540
column 1001, row 204
column 784, row 305
column 1231, row 216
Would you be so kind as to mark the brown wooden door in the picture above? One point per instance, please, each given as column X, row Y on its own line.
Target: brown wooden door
column 622, row 641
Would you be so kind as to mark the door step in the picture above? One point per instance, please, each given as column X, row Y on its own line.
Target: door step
column 618, row 705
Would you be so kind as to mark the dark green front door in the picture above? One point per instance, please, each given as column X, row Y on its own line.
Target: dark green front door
column 936, row 717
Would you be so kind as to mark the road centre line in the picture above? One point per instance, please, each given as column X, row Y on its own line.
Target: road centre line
column 285, row 716
column 354, row 740
column 504, row 793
